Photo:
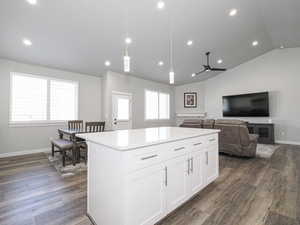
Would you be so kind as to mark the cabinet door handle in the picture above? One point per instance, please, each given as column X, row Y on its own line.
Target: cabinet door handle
column 213, row 139
column 149, row 157
column 178, row 149
column 192, row 165
column 200, row 143
column 166, row 176
column 188, row 171
column 206, row 158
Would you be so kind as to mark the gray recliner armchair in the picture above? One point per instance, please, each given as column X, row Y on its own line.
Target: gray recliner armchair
column 235, row 139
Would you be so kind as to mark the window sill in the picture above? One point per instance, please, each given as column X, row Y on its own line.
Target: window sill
column 37, row 124
column 157, row 120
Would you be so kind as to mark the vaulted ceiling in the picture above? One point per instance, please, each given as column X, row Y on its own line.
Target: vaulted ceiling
column 80, row 35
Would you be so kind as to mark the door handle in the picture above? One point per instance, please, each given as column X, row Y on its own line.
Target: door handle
column 192, row 165
column 188, row 171
column 166, row 176
column 206, row 158
column 213, row 139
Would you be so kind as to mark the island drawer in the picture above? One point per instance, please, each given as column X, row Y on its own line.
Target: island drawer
column 201, row 143
column 141, row 158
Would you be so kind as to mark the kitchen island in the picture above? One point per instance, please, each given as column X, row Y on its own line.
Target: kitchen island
column 137, row 177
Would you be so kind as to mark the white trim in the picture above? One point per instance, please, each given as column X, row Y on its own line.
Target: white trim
column 288, row 142
column 121, row 93
column 25, row 152
column 191, row 114
column 37, row 124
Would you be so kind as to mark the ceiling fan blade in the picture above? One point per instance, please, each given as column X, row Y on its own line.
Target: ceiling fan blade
column 200, row 72
column 218, row 69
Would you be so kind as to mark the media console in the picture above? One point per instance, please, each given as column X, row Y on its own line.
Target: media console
column 265, row 131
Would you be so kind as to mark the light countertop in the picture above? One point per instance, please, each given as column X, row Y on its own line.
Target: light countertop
column 124, row 140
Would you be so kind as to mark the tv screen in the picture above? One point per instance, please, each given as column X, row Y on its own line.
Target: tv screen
column 247, row 105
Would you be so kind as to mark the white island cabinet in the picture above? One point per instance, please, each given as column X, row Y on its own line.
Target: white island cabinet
column 137, row 177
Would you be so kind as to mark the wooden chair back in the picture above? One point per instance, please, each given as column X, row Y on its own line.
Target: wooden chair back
column 91, row 127
column 75, row 125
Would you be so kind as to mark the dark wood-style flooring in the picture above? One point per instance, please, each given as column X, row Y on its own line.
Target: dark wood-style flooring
column 248, row 192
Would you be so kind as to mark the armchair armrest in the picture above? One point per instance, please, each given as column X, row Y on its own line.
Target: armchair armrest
column 253, row 137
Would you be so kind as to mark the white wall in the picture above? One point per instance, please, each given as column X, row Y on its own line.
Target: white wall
column 136, row 86
column 277, row 72
column 197, row 87
column 13, row 139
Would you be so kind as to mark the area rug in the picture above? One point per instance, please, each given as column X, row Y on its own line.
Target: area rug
column 69, row 169
column 265, row 151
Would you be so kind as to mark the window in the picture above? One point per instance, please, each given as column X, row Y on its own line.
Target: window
column 123, row 109
column 29, row 98
column 41, row 99
column 63, row 100
column 164, row 106
column 157, row 105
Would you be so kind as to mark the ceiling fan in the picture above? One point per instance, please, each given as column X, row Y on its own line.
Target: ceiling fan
column 207, row 67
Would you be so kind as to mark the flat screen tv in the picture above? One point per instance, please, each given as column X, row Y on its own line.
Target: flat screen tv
column 246, row 105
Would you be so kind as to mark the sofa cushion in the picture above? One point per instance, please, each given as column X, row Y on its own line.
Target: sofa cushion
column 209, row 123
column 232, row 122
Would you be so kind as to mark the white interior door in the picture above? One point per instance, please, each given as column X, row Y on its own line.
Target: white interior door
column 121, row 111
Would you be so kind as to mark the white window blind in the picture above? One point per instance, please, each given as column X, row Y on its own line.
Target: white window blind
column 164, row 106
column 63, row 100
column 157, row 105
column 28, row 98
column 41, row 99
column 151, row 105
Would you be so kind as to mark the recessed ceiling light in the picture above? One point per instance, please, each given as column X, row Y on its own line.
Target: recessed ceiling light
column 107, row 63
column 232, row 12
column 160, row 63
column 160, row 5
column 193, row 75
column 189, row 43
column 27, row 42
column 128, row 40
column 254, row 43
column 220, row 61
column 32, row 2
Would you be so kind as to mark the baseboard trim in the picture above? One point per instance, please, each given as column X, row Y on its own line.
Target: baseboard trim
column 25, row 152
column 288, row 142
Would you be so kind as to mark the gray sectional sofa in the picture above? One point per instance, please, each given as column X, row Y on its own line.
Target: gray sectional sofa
column 234, row 137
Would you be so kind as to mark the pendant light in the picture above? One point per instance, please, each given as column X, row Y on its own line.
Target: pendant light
column 171, row 73
column 126, row 58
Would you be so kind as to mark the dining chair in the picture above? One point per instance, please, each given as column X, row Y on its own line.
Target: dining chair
column 91, row 127
column 63, row 146
column 75, row 125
